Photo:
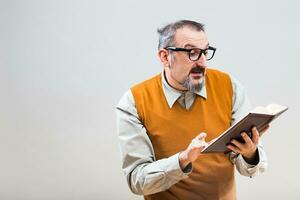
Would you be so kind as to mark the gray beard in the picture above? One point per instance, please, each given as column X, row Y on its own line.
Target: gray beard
column 193, row 87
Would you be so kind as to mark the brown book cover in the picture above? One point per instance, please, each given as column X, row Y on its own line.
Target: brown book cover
column 259, row 117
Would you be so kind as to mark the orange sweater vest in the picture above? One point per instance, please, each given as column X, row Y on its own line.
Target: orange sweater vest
column 172, row 130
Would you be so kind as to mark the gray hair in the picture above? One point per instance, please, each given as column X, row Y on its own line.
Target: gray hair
column 167, row 33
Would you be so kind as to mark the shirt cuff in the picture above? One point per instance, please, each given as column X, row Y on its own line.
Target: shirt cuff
column 251, row 169
column 172, row 168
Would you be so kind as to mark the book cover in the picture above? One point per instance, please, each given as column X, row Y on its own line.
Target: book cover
column 259, row 117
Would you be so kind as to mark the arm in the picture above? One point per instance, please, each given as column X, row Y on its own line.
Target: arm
column 241, row 106
column 145, row 175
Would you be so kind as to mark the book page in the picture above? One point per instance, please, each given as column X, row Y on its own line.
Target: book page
column 271, row 109
column 261, row 109
column 275, row 108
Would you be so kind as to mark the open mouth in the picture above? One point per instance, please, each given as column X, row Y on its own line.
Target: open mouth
column 197, row 72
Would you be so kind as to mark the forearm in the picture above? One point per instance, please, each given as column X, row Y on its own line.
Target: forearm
column 145, row 175
column 157, row 176
column 249, row 170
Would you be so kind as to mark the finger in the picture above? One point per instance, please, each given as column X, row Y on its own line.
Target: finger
column 264, row 129
column 255, row 135
column 247, row 139
column 202, row 145
column 199, row 144
column 237, row 144
column 233, row 148
column 201, row 136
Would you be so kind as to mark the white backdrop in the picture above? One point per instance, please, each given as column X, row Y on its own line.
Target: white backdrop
column 65, row 64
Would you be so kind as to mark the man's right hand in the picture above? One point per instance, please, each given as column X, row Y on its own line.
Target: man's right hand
column 193, row 151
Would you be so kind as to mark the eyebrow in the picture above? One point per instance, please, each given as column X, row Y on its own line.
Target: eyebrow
column 193, row 46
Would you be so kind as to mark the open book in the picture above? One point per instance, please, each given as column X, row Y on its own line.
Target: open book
column 259, row 117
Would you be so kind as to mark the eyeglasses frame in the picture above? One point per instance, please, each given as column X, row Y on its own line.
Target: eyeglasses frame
column 202, row 51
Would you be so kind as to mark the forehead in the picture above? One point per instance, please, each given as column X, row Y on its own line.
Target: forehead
column 190, row 37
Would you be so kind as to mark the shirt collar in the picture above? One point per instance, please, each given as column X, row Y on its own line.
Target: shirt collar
column 172, row 94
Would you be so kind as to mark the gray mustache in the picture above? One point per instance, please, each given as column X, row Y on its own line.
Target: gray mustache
column 197, row 70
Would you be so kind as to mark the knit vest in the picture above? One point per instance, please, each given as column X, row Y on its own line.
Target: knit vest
column 172, row 129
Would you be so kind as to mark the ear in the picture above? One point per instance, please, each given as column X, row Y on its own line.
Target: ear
column 163, row 56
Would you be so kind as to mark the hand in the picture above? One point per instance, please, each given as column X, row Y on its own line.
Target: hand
column 249, row 148
column 193, row 151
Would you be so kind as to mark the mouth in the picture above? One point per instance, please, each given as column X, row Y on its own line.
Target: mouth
column 197, row 72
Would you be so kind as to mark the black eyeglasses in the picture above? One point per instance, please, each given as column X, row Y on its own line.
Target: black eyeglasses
column 195, row 53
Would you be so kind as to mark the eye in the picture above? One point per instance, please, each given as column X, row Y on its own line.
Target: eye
column 194, row 52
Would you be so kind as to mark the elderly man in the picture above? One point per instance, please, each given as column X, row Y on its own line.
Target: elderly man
column 165, row 122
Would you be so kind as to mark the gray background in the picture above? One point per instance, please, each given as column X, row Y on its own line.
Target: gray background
column 65, row 64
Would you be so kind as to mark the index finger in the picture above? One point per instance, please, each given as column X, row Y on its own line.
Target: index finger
column 201, row 136
column 255, row 135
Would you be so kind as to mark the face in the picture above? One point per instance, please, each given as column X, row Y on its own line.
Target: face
column 181, row 72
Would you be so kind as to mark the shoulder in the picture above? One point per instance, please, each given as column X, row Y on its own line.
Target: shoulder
column 126, row 101
column 147, row 82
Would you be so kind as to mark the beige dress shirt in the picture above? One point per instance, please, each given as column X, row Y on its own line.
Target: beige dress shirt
column 146, row 175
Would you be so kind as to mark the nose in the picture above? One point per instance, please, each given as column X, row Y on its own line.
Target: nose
column 201, row 61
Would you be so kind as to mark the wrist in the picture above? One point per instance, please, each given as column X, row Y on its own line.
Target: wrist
column 183, row 159
column 252, row 158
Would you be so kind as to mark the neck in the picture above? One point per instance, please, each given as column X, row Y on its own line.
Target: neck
column 173, row 82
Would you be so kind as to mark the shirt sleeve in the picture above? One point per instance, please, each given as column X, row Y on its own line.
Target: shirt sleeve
column 241, row 106
column 145, row 175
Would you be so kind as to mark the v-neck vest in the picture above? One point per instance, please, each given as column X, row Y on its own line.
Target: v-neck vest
column 172, row 129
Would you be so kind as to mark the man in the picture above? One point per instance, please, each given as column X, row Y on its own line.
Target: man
column 165, row 122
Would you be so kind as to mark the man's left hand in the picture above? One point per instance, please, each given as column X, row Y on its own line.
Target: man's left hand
column 249, row 148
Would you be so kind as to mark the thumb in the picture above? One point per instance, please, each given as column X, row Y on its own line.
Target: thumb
column 264, row 129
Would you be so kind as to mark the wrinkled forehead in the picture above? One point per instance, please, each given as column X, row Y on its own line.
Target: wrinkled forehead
column 189, row 37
